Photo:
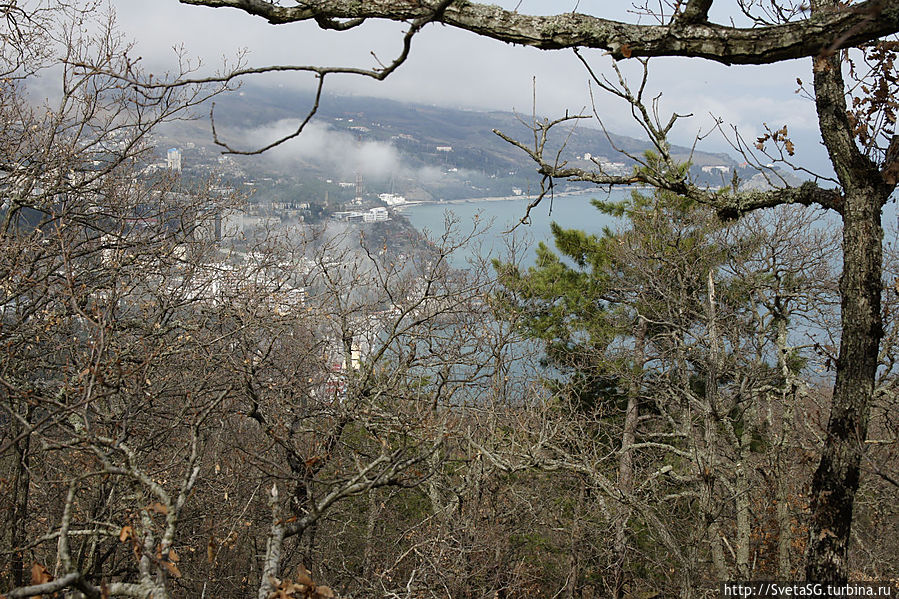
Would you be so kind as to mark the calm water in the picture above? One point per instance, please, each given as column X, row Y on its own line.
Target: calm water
column 498, row 216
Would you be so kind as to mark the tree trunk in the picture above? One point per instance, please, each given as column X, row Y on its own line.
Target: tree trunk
column 371, row 523
column 836, row 479
column 864, row 192
column 743, row 488
column 708, row 463
column 271, row 565
column 626, row 459
column 781, row 464
column 19, row 516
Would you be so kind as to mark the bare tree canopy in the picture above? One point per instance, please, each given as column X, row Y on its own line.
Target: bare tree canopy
column 861, row 147
column 688, row 32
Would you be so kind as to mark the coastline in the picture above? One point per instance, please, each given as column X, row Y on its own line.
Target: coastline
column 521, row 198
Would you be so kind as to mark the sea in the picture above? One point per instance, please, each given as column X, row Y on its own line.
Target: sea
column 495, row 226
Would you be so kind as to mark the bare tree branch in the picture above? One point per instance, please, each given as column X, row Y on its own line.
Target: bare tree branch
column 726, row 44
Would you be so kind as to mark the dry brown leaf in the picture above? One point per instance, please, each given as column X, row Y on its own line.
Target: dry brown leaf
column 40, row 575
column 172, row 568
column 303, row 576
column 325, row 592
column 296, row 590
column 126, row 533
column 158, row 508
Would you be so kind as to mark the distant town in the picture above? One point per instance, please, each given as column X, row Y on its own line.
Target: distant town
column 367, row 160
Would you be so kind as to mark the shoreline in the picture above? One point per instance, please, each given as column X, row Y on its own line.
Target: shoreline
column 522, row 198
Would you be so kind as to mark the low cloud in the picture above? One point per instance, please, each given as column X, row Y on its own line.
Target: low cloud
column 320, row 144
column 339, row 153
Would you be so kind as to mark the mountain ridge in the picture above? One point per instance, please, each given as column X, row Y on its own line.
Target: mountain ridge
column 424, row 152
column 255, row 106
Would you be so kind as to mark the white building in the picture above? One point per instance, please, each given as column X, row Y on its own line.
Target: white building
column 392, row 199
column 173, row 159
column 375, row 215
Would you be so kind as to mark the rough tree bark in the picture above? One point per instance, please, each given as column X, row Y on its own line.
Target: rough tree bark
column 688, row 35
column 864, row 194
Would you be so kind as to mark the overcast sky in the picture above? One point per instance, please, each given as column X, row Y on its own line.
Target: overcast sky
column 458, row 69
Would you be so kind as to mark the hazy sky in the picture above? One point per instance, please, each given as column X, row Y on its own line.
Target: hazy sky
column 459, row 69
